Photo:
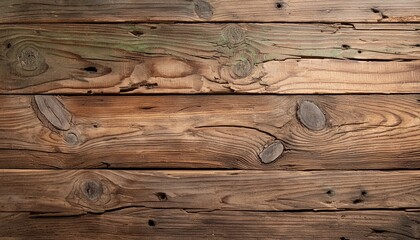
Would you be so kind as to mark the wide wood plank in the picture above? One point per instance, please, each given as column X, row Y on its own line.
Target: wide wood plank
column 221, row 131
column 24, row 11
column 134, row 223
column 75, row 192
column 210, row 58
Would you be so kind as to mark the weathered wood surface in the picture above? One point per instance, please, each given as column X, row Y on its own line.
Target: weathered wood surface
column 24, row 11
column 133, row 223
column 210, row 58
column 298, row 132
column 75, row 192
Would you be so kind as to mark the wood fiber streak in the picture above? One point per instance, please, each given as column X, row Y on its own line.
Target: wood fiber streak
column 133, row 223
column 223, row 131
column 71, row 192
column 210, row 58
column 24, row 11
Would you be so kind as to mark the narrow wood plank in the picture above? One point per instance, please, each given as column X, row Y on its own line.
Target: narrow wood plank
column 175, row 224
column 210, row 58
column 24, row 11
column 74, row 192
column 242, row 132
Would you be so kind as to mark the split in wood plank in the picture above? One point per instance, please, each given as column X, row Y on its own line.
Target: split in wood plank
column 210, row 58
column 27, row 11
column 297, row 132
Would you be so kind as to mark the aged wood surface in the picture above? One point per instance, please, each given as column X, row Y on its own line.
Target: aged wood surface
column 75, row 192
column 210, row 58
column 133, row 223
column 298, row 132
column 24, row 11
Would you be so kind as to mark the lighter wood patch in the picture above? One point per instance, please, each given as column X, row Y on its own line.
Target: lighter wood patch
column 53, row 111
column 311, row 116
column 272, row 152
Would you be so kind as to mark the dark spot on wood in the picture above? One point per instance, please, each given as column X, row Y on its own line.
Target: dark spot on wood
column 161, row 196
column 375, row 10
column 233, row 34
column 311, row 116
column 91, row 69
column 146, row 108
column 151, row 223
column 51, row 109
column 375, row 230
column 359, row 51
column 345, row 46
column 242, row 68
column 357, row 201
column 89, row 92
column 137, row 33
column 153, row 27
column 272, row 152
column 9, row 45
column 95, row 125
column 279, row 5
column 92, row 190
column 343, row 238
column 203, row 9
column 71, row 138
column 330, row 192
column 363, row 193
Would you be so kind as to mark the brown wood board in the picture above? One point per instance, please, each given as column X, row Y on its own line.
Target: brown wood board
column 299, row 132
column 27, row 11
column 209, row 58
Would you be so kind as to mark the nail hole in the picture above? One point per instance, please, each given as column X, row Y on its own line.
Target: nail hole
column 279, row 5
column 162, row 196
column 359, row 51
column 91, row 69
column 95, row 125
column 9, row 45
column 330, row 192
column 345, row 46
column 151, row 223
column 364, row 193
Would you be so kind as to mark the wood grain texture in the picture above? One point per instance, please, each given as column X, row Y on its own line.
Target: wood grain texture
column 24, row 11
column 71, row 192
column 134, row 223
column 222, row 131
column 210, row 58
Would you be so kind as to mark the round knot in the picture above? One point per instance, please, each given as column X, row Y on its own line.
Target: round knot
column 29, row 62
column 71, row 138
column 203, row 9
column 242, row 68
column 29, row 59
column 272, row 152
column 92, row 190
column 311, row 116
column 233, row 34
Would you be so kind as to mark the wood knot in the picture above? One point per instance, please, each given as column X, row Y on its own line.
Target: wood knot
column 30, row 62
column 242, row 67
column 311, row 116
column 272, row 152
column 233, row 34
column 71, row 138
column 50, row 110
column 203, row 9
column 92, row 190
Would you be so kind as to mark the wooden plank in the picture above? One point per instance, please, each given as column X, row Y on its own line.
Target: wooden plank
column 212, row 131
column 24, row 11
column 75, row 192
column 210, row 58
column 176, row 223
